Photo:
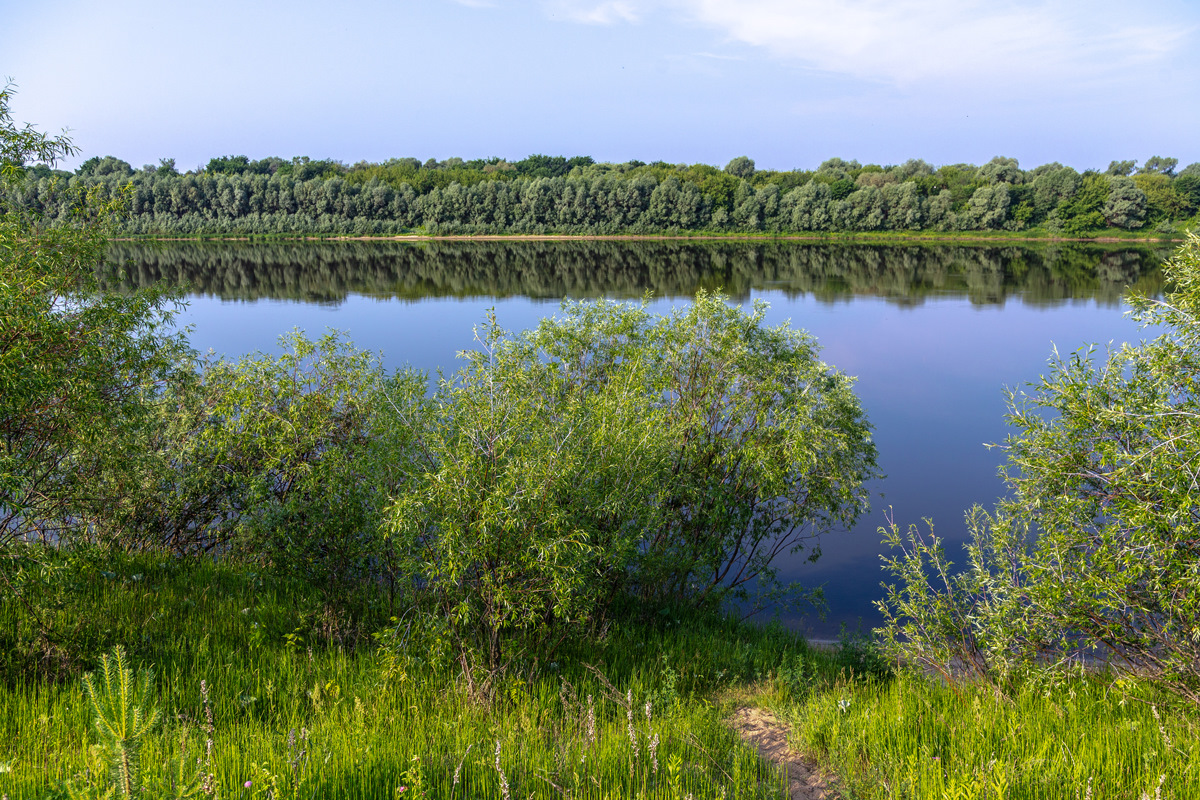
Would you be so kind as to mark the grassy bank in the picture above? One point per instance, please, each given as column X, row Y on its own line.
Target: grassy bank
column 306, row 702
column 1084, row 737
column 372, row 715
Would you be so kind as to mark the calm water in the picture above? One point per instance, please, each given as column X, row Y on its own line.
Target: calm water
column 932, row 333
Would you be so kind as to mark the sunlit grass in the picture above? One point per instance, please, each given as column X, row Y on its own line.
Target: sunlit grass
column 304, row 708
column 295, row 709
column 1086, row 737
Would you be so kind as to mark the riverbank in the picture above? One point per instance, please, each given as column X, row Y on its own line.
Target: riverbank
column 902, row 237
column 311, row 701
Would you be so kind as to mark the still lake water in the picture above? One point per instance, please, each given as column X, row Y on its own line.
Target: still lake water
column 933, row 334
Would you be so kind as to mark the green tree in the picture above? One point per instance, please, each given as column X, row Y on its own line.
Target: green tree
column 988, row 207
column 740, row 167
column 1160, row 166
column 1002, row 170
column 1096, row 546
column 768, row 445
column 108, row 165
column 1163, row 199
column 609, row 452
column 1126, row 204
column 75, row 363
column 525, row 496
column 278, row 459
column 1081, row 212
column 1188, row 187
column 1121, row 168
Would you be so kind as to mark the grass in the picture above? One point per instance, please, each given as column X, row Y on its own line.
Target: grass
column 1086, row 736
column 303, row 706
column 371, row 718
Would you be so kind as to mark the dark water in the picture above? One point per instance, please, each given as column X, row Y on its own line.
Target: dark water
column 932, row 333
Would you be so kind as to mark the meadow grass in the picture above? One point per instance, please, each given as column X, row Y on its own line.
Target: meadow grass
column 303, row 706
column 305, row 712
column 1083, row 737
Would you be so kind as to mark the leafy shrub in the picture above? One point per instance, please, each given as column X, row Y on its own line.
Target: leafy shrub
column 767, row 446
column 609, row 452
column 283, row 460
column 1095, row 551
column 525, row 494
column 74, row 362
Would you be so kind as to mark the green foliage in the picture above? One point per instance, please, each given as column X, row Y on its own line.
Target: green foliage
column 1188, row 186
column 279, row 459
column 24, row 144
column 1082, row 213
column 1126, row 204
column 1165, row 199
column 232, row 165
column 1095, row 550
column 75, row 363
column 609, row 452
column 988, row 207
column 527, row 494
column 768, row 446
column 100, row 167
column 1160, row 166
column 553, row 194
column 740, row 167
column 1121, row 168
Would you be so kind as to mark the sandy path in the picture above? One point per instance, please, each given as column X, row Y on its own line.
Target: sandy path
column 769, row 737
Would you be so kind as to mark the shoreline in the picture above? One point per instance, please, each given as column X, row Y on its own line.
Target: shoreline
column 897, row 238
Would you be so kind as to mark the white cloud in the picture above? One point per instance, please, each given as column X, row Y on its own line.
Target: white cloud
column 607, row 12
column 908, row 41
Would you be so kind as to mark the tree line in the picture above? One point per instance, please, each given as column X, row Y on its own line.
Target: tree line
column 545, row 194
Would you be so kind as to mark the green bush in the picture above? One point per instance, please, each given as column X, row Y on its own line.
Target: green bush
column 75, row 363
column 1094, row 553
column 767, row 446
column 525, row 493
column 281, row 460
column 610, row 453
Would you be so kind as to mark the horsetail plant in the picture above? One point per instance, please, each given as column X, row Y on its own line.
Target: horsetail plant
column 124, row 713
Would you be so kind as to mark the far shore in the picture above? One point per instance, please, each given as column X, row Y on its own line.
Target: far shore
column 900, row 237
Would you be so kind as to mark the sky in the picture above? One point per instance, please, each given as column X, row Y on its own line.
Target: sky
column 789, row 83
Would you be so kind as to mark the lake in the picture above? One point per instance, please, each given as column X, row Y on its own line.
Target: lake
column 933, row 334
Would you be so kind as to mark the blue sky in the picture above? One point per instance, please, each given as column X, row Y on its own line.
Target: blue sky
column 787, row 82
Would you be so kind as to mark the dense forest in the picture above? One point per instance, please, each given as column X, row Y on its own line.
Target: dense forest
column 551, row 194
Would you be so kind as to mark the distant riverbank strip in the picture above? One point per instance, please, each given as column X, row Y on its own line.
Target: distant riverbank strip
column 824, row 238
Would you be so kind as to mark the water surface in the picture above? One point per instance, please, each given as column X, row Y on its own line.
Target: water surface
column 933, row 334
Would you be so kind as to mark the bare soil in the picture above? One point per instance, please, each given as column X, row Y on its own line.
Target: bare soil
column 806, row 780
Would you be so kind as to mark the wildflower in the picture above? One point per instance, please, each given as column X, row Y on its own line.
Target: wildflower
column 248, row 784
column 500, row 772
column 1161, row 728
column 591, row 721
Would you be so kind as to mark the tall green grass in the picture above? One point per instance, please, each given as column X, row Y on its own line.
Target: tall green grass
column 1086, row 736
column 301, row 708
column 304, row 705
